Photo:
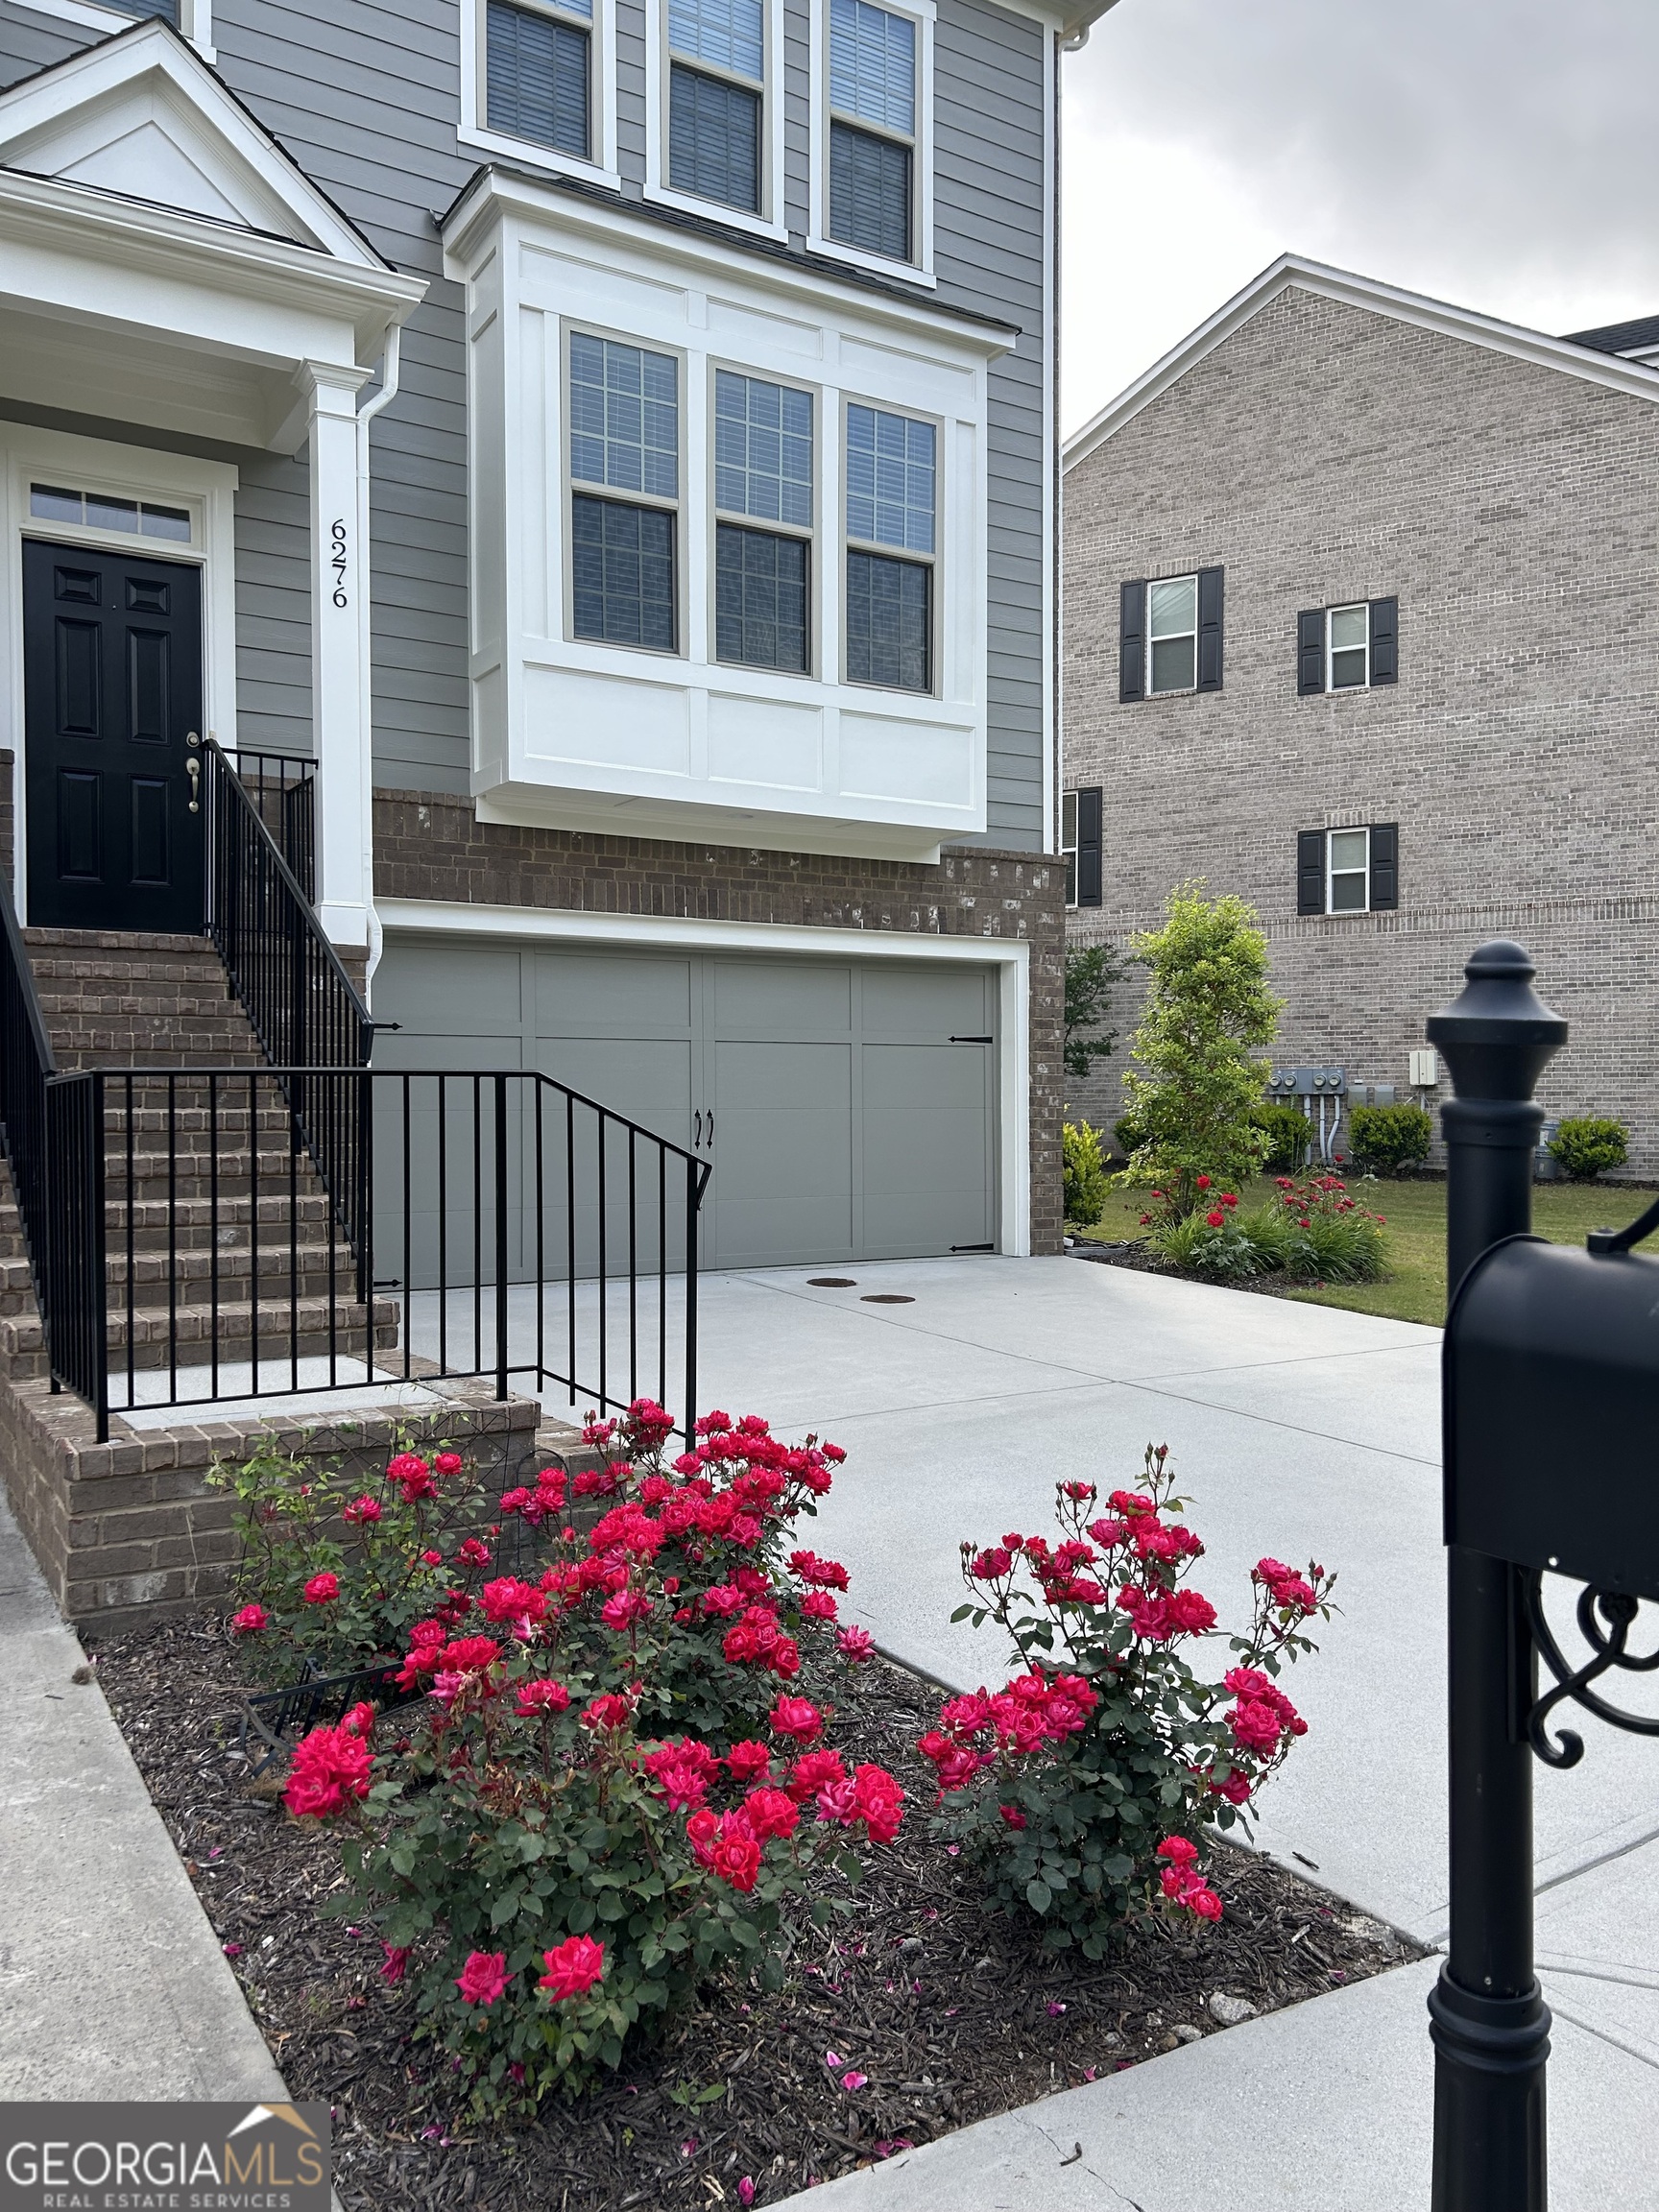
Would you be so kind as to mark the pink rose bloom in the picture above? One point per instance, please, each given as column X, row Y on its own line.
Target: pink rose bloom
column 484, row 1976
column 573, row 1966
column 249, row 1620
column 322, row 1589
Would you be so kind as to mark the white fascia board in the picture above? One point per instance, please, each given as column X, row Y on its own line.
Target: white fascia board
column 154, row 47
column 679, row 821
column 1291, row 272
column 467, row 229
column 317, row 304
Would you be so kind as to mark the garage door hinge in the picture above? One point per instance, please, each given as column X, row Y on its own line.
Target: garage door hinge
column 972, row 1039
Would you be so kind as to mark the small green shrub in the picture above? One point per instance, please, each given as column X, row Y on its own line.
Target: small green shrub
column 1584, row 1145
column 1084, row 1174
column 1127, row 1133
column 1385, row 1140
column 1288, row 1133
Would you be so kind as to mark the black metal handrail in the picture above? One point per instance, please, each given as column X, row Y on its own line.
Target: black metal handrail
column 305, row 1010
column 282, row 789
column 52, row 1130
column 513, row 1230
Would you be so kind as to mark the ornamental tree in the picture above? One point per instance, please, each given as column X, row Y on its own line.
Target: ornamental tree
column 1195, row 1079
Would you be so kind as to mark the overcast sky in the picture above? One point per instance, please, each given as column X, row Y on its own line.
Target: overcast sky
column 1499, row 153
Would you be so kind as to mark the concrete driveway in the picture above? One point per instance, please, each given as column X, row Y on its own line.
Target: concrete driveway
column 1299, row 1431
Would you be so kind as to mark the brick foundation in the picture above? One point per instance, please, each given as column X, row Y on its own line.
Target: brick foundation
column 428, row 845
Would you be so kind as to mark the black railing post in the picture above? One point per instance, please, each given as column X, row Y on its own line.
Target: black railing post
column 1489, row 2022
column 97, row 1270
column 695, row 1176
column 500, row 1236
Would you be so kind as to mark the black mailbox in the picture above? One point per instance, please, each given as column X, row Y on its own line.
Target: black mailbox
column 1551, row 1411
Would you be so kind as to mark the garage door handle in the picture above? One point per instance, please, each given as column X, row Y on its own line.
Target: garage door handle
column 697, row 1130
column 710, row 1128
column 972, row 1039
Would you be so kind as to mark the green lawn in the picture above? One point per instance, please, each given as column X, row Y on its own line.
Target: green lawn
column 1415, row 1288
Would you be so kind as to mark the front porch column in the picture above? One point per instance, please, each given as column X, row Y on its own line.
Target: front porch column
column 338, row 646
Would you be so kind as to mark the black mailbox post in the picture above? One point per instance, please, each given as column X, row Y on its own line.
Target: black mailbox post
column 1550, row 1373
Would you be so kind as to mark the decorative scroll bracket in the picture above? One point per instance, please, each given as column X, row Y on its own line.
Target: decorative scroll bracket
column 1605, row 1618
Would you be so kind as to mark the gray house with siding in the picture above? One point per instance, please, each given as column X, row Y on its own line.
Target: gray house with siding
column 539, row 517
column 616, row 442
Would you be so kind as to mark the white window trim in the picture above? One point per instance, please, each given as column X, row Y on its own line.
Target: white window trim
column 208, row 489
column 1069, row 852
column 923, row 13
column 1348, row 607
column 933, row 562
column 1177, row 690
column 195, row 19
column 813, row 537
column 1347, row 830
column 602, row 169
column 574, row 485
column 770, row 222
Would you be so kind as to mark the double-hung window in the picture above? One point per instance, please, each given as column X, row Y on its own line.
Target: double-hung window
column 892, row 475
column 873, row 129
column 763, row 474
column 1080, row 840
column 1350, row 648
column 538, row 69
column 624, row 410
column 1347, row 871
column 1173, row 635
column 716, row 80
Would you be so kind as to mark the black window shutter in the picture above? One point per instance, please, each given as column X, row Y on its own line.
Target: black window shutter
column 1132, row 642
column 1210, row 629
column 1089, row 824
column 1310, row 871
column 1385, row 866
column 1384, row 643
column 1310, row 651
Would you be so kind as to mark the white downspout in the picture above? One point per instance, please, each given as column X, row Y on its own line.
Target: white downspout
column 366, row 415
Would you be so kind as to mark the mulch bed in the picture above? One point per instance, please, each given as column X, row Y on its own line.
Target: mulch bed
column 948, row 2010
column 1140, row 1258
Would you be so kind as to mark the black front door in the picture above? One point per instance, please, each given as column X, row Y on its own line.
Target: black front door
column 112, row 692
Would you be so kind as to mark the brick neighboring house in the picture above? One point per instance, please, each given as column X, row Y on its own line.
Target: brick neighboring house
column 1362, row 623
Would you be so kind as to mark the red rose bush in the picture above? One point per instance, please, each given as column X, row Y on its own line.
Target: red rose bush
column 1079, row 1788
column 618, row 1778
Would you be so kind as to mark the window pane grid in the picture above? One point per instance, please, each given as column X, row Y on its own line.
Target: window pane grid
column 889, row 622
column 872, row 66
column 891, row 479
column 537, row 76
column 727, row 34
column 622, row 571
column 1349, row 865
column 624, row 416
column 762, row 449
column 760, row 598
column 1350, row 647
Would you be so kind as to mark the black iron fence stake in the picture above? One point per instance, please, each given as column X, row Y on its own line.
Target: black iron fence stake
column 1489, row 2022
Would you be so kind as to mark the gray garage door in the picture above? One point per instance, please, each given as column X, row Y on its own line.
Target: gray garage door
column 847, row 1107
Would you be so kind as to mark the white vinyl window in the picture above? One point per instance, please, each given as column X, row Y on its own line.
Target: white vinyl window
column 1348, row 872
column 1173, row 635
column 1348, row 648
column 892, row 481
column 624, row 458
column 871, row 194
column 763, row 474
column 1069, row 843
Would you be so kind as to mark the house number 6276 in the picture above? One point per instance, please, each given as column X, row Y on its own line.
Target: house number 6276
column 337, row 562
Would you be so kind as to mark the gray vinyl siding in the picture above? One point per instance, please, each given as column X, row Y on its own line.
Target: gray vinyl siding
column 366, row 100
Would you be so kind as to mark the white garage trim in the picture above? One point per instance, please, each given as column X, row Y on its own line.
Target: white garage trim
column 1010, row 956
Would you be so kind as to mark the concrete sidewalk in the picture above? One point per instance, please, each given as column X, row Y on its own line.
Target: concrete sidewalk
column 112, row 1984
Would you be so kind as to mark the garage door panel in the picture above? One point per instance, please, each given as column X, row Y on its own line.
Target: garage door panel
column 612, row 994
column 445, row 991
column 926, row 1152
column 926, row 1002
column 646, row 1080
column 770, row 998
column 783, row 1119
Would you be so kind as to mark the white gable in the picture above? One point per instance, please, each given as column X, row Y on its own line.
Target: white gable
column 142, row 115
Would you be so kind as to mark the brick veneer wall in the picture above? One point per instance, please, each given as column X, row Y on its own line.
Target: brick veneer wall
column 428, row 845
column 1325, row 453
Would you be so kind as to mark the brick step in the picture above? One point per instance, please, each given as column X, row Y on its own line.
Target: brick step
column 191, row 1127
column 150, row 1168
column 157, row 1274
column 191, row 1222
column 194, row 1327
